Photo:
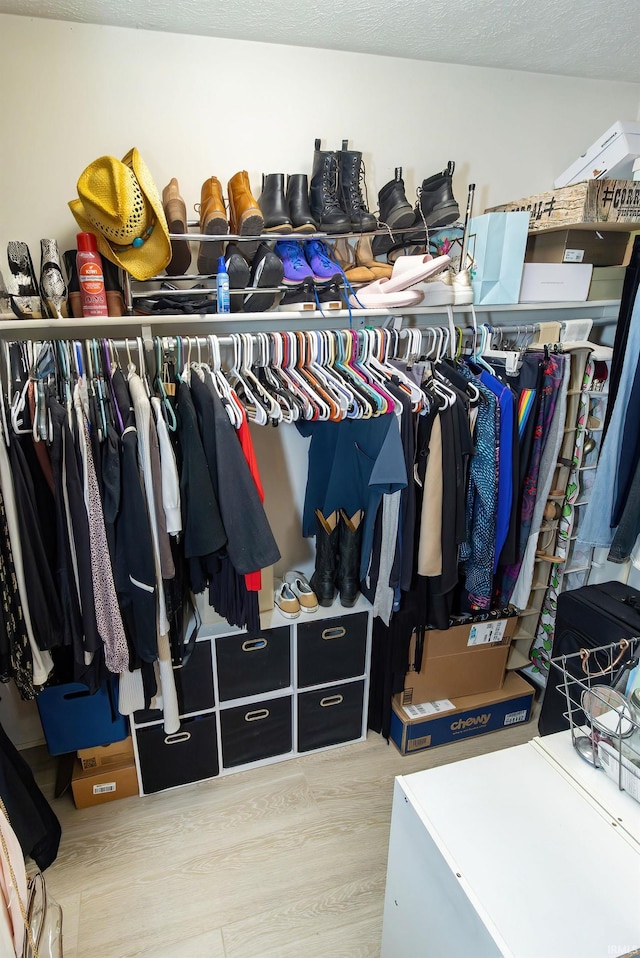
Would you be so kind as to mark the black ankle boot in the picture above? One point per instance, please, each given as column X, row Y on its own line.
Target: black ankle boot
column 298, row 203
column 273, row 204
column 349, row 561
column 350, row 177
column 437, row 204
column 323, row 580
column 395, row 210
column 323, row 193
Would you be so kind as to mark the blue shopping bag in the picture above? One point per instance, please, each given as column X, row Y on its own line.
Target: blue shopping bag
column 497, row 244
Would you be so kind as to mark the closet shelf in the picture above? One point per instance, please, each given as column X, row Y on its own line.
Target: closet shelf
column 13, row 328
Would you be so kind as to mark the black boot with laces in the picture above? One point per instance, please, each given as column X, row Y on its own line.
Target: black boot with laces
column 350, row 180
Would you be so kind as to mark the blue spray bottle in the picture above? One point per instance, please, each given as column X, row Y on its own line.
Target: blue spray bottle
column 222, row 287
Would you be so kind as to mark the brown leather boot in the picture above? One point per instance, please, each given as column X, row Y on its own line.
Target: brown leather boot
column 213, row 222
column 244, row 213
column 176, row 214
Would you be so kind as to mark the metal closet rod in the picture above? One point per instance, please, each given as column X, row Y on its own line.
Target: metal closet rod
column 228, row 340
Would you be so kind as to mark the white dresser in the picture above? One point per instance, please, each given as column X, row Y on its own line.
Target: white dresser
column 527, row 853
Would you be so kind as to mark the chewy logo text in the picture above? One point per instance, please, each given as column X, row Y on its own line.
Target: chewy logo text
column 470, row 722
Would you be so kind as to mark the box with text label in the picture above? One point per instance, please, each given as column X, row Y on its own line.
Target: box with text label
column 463, row 660
column 415, row 728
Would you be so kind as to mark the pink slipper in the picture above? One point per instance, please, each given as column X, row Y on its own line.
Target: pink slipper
column 409, row 270
column 372, row 296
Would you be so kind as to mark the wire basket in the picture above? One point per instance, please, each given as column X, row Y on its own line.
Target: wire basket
column 604, row 723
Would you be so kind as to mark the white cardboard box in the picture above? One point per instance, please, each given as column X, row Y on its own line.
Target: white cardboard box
column 555, row 282
column 611, row 157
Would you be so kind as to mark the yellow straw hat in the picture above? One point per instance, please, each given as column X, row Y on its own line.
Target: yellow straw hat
column 120, row 204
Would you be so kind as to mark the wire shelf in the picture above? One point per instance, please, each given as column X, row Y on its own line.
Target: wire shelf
column 604, row 722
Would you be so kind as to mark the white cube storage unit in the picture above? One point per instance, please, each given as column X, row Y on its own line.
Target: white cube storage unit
column 248, row 700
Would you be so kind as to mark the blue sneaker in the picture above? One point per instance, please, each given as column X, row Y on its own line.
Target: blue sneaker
column 324, row 266
column 296, row 267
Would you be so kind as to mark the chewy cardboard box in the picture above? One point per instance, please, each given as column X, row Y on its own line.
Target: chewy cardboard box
column 418, row 727
column 115, row 754
column 463, row 660
column 95, row 786
column 598, row 247
column 555, row 282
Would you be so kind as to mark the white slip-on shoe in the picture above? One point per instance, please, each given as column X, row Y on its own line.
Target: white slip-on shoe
column 299, row 585
column 287, row 602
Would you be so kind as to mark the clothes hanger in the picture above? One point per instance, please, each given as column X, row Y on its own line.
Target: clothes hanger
column 345, row 396
column 166, row 409
column 271, row 407
column 307, row 351
column 226, row 394
column 270, row 382
column 320, row 409
column 240, row 382
column 337, row 393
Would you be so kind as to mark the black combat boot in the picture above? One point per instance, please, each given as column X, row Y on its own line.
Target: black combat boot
column 436, row 204
column 350, row 179
column 323, row 193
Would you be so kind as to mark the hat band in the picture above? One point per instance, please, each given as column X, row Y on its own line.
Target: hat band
column 137, row 242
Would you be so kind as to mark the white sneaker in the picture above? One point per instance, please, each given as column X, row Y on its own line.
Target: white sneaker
column 462, row 288
column 287, row 602
column 299, row 585
column 438, row 291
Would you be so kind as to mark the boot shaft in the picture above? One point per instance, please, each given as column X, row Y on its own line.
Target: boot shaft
column 211, row 201
column 174, row 207
column 298, row 203
column 244, row 213
column 437, row 204
column 395, row 209
column 350, row 180
column 323, row 193
column 273, row 204
column 350, row 547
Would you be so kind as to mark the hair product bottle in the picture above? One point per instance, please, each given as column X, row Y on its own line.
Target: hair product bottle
column 222, row 287
column 91, row 276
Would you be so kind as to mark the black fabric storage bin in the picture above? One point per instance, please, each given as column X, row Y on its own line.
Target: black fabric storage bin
column 189, row 755
column 251, row 666
column 194, row 685
column 255, row 731
column 329, row 716
column 332, row 649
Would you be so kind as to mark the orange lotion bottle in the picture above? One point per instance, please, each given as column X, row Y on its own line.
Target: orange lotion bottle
column 90, row 276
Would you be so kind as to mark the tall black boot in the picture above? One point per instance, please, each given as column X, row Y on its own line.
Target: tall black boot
column 273, row 204
column 323, row 580
column 323, row 193
column 349, row 558
column 298, row 203
column 350, row 178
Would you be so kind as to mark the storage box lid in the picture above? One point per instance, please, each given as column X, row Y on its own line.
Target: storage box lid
column 591, row 164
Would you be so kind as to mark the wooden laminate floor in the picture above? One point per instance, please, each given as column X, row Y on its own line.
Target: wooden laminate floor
column 281, row 861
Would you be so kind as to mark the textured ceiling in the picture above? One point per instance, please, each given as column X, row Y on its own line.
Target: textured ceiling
column 582, row 38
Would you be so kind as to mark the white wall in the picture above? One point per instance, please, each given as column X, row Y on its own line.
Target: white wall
column 198, row 106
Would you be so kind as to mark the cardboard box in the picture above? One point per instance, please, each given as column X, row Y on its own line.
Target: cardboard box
column 578, row 246
column 444, row 722
column 463, row 660
column 95, row 786
column 611, row 156
column 612, row 204
column 555, row 282
column 607, row 282
column 100, row 755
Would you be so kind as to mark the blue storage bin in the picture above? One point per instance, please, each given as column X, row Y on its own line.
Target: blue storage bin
column 72, row 718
